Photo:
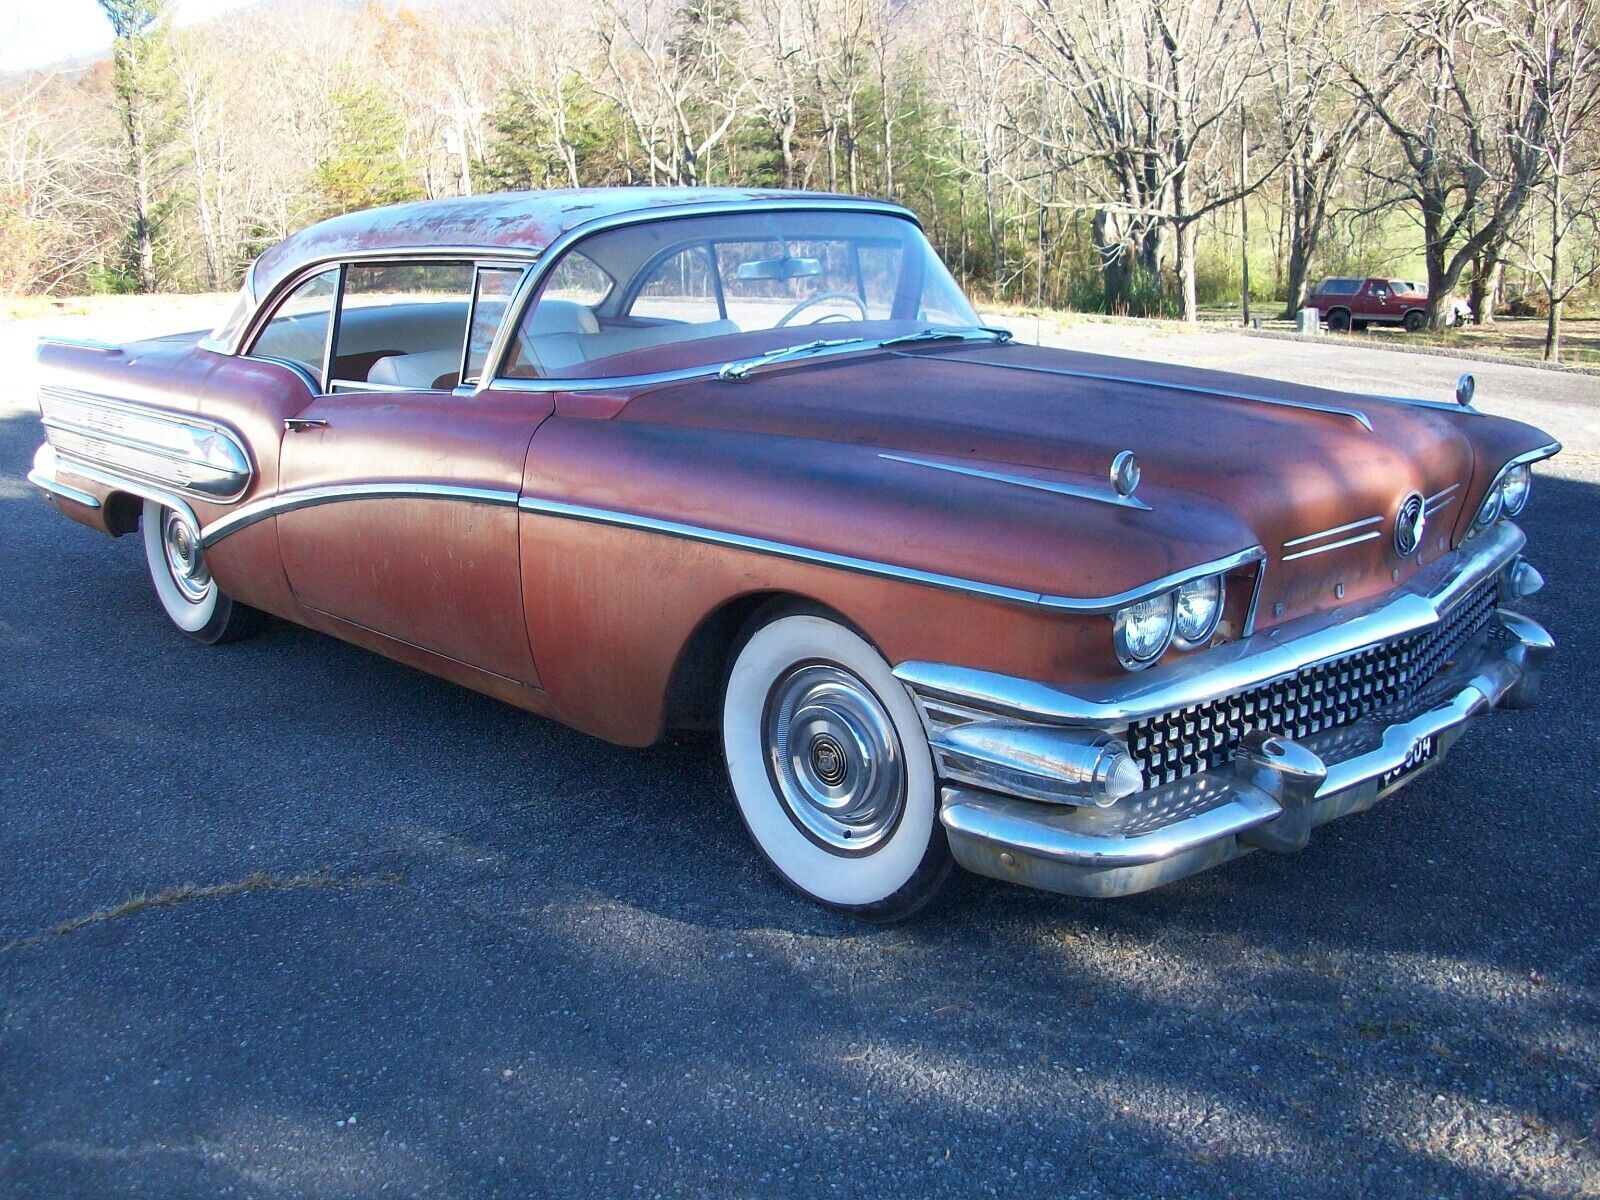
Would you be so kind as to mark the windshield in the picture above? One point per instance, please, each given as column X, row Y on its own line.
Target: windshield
column 696, row 292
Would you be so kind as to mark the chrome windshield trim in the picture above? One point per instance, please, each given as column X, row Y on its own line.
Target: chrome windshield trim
column 1354, row 414
column 311, row 497
column 863, row 566
column 547, row 258
column 1077, row 491
column 1231, row 667
column 1337, row 529
column 1339, row 545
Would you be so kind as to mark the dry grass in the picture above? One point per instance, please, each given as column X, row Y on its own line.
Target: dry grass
column 184, row 893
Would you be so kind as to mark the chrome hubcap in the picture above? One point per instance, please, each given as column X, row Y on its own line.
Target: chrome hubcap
column 184, row 559
column 835, row 758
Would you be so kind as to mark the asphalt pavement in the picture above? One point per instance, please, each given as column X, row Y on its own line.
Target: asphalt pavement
column 390, row 937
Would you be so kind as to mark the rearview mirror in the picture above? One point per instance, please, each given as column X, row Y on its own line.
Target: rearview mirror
column 780, row 268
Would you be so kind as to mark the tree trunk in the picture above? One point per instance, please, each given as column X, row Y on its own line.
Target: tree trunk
column 1552, row 329
column 1186, row 272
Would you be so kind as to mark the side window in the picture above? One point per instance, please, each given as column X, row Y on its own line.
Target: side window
column 298, row 330
column 402, row 325
column 680, row 288
column 491, row 295
column 577, row 280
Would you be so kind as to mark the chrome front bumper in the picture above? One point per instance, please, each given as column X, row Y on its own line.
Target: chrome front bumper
column 1271, row 792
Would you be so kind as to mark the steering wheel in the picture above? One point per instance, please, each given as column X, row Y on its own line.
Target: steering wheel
column 818, row 299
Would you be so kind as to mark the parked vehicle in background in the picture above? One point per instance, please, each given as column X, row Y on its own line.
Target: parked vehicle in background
column 1356, row 303
column 648, row 458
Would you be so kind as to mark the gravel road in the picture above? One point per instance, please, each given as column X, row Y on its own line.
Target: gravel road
column 437, row 947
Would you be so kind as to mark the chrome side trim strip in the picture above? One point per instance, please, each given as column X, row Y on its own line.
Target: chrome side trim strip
column 43, row 475
column 882, row 570
column 1042, row 485
column 1339, row 545
column 1354, row 414
column 179, row 450
column 1233, row 666
column 292, row 501
column 1314, row 537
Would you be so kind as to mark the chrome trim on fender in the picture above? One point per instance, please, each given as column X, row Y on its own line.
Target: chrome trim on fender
column 43, row 475
column 292, row 501
column 183, row 451
column 1192, row 389
column 882, row 570
column 134, row 487
column 1233, row 666
column 1339, row 545
column 1078, row 491
column 1440, row 501
column 1314, row 537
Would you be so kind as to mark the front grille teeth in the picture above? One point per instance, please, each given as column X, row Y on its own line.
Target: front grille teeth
column 1176, row 745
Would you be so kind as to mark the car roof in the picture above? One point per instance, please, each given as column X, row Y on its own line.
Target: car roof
column 515, row 223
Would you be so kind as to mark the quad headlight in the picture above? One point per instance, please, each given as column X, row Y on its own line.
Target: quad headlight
column 1143, row 631
column 1514, row 489
column 1199, row 608
column 1508, row 496
column 1184, row 617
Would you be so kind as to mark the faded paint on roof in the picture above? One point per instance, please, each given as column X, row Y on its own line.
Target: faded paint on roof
column 526, row 221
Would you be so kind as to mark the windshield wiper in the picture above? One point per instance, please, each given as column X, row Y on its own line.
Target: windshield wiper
column 739, row 368
column 984, row 333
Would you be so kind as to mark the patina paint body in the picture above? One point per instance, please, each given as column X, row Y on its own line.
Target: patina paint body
column 591, row 552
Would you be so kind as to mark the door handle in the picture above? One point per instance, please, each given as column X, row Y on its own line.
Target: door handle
column 296, row 424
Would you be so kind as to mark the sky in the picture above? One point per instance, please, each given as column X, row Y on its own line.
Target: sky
column 37, row 33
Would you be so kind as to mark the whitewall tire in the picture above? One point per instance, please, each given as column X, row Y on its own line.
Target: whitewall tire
column 191, row 598
column 831, row 769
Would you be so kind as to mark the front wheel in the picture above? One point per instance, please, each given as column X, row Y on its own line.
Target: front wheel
column 832, row 771
column 191, row 598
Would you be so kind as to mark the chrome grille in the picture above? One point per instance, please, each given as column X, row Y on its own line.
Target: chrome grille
column 1325, row 696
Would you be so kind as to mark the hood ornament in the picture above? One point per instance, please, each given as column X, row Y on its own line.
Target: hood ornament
column 1125, row 473
column 1409, row 523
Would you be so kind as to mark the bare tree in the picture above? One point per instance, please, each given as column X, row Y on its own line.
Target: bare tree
column 141, row 85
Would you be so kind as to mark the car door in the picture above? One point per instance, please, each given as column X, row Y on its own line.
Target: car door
column 409, row 484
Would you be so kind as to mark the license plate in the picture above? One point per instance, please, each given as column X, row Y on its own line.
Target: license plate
column 1421, row 754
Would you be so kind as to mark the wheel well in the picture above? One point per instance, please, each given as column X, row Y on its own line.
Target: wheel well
column 122, row 513
column 694, row 693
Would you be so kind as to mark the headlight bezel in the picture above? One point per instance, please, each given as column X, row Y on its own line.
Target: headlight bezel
column 1521, row 473
column 1124, row 616
column 1200, row 635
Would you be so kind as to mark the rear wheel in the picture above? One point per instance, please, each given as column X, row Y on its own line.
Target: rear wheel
column 1414, row 321
column 1338, row 321
column 832, row 771
column 191, row 598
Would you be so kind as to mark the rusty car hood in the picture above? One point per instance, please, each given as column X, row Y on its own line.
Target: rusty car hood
column 1228, row 461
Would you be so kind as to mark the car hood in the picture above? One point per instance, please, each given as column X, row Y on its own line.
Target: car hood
column 1229, row 462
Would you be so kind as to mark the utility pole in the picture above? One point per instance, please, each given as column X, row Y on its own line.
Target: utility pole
column 1244, row 217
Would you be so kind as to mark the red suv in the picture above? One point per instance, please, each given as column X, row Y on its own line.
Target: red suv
column 1357, row 303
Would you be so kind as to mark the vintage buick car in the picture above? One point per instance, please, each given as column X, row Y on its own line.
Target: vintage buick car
column 636, row 459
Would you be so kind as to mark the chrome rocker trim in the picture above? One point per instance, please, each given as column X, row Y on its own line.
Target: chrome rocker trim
column 1269, row 797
